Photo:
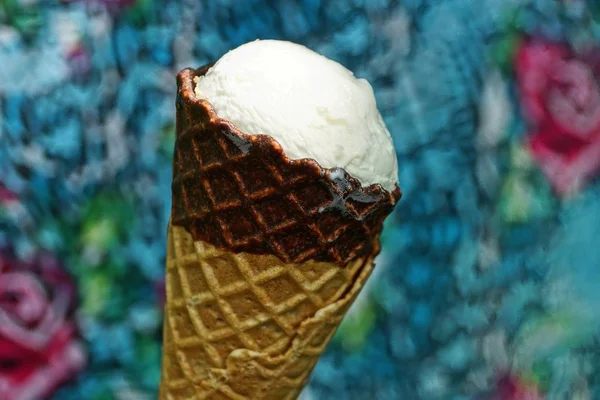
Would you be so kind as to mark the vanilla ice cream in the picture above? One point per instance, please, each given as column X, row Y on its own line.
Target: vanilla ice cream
column 314, row 107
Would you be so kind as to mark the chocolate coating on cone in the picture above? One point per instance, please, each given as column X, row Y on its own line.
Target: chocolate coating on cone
column 241, row 192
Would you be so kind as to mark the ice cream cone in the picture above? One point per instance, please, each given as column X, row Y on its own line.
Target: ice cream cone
column 265, row 256
column 246, row 326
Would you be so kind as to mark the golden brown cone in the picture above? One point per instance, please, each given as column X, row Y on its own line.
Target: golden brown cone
column 248, row 326
column 265, row 256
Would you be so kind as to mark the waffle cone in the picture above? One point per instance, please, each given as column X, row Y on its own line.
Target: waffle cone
column 248, row 326
column 265, row 255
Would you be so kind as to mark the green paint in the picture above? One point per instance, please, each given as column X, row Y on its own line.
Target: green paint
column 140, row 13
column 356, row 327
column 95, row 290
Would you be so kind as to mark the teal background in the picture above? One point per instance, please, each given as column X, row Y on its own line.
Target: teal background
column 487, row 286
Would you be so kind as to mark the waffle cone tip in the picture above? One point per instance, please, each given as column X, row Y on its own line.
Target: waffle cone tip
column 245, row 326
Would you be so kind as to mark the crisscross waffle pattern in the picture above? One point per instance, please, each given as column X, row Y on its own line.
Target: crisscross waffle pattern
column 248, row 317
column 265, row 255
column 241, row 192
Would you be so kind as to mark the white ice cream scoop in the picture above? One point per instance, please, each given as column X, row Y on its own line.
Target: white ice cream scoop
column 313, row 106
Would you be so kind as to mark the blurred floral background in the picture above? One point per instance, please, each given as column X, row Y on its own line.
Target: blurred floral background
column 487, row 286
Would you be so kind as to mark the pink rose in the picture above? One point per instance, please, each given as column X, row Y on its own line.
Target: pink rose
column 111, row 5
column 38, row 345
column 80, row 61
column 6, row 196
column 512, row 388
column 561, row 98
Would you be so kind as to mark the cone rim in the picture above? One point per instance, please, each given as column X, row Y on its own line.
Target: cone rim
column 185, row 80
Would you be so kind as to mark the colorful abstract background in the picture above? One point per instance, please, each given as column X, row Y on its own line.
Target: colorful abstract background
column 488, row 286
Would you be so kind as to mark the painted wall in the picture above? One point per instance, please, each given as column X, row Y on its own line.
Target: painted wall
column 487, row 287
